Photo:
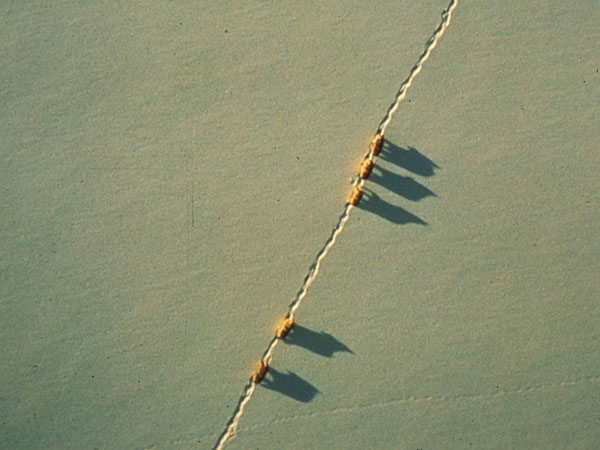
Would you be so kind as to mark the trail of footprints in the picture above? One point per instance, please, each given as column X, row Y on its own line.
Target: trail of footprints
column 357, row 192
column 365, row 170
column 288, row 322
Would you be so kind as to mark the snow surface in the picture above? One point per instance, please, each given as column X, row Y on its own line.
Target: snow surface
column 170, row 171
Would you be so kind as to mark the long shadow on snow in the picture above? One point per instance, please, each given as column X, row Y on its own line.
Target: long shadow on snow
column 373, row 203
column 409, row 159
column 405, row 187
column 289, row 384
column 406, row 158
column 321, row 343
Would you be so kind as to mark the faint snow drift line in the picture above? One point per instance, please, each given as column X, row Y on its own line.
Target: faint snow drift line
column 532, row 389
column 415, row 399
column 232, row 424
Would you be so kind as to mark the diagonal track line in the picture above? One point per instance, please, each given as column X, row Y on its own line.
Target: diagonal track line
column 358, row 183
